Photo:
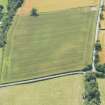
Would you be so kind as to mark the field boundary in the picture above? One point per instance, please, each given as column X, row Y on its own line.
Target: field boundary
column 88, row 6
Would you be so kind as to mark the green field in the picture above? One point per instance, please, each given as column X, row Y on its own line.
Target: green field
column 3, row 2
column 50, row 43
column 57, row 91
column 101, row 83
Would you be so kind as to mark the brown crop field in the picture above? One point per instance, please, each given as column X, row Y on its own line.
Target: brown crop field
column 102, row 40
column 54, row 5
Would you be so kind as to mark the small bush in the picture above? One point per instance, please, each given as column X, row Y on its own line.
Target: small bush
column 101, row 16
column 96, row 57
column 98, row 46
column 100, row 75
column 100, row 68
column 87, row 68
column 1, row 7
column 103, row 7
column 90, row 76
column 34, row 12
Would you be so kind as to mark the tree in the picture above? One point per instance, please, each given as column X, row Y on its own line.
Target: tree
column 87, row 68
column 100, row 68
column 96, row 57
column 103, row 7
column 34, row 12
column 101, row 16
column 98, row 46
column 99, row 24
column 1, row 7
column 20, row 2
column 92, row 94
column 2, row 42
column 90, row 76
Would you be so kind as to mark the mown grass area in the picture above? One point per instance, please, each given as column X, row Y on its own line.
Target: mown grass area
column 101, row 83
column 60, row 91
column 50, row 43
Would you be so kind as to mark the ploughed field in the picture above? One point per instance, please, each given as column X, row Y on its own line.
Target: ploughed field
column 50, row 43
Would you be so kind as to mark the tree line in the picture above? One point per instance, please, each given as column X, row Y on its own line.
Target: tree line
column 91, row 95
column 6, row 18
column 99, row 67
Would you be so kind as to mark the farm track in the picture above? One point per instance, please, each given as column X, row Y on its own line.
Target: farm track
column 41, row 79
column 97, row 32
